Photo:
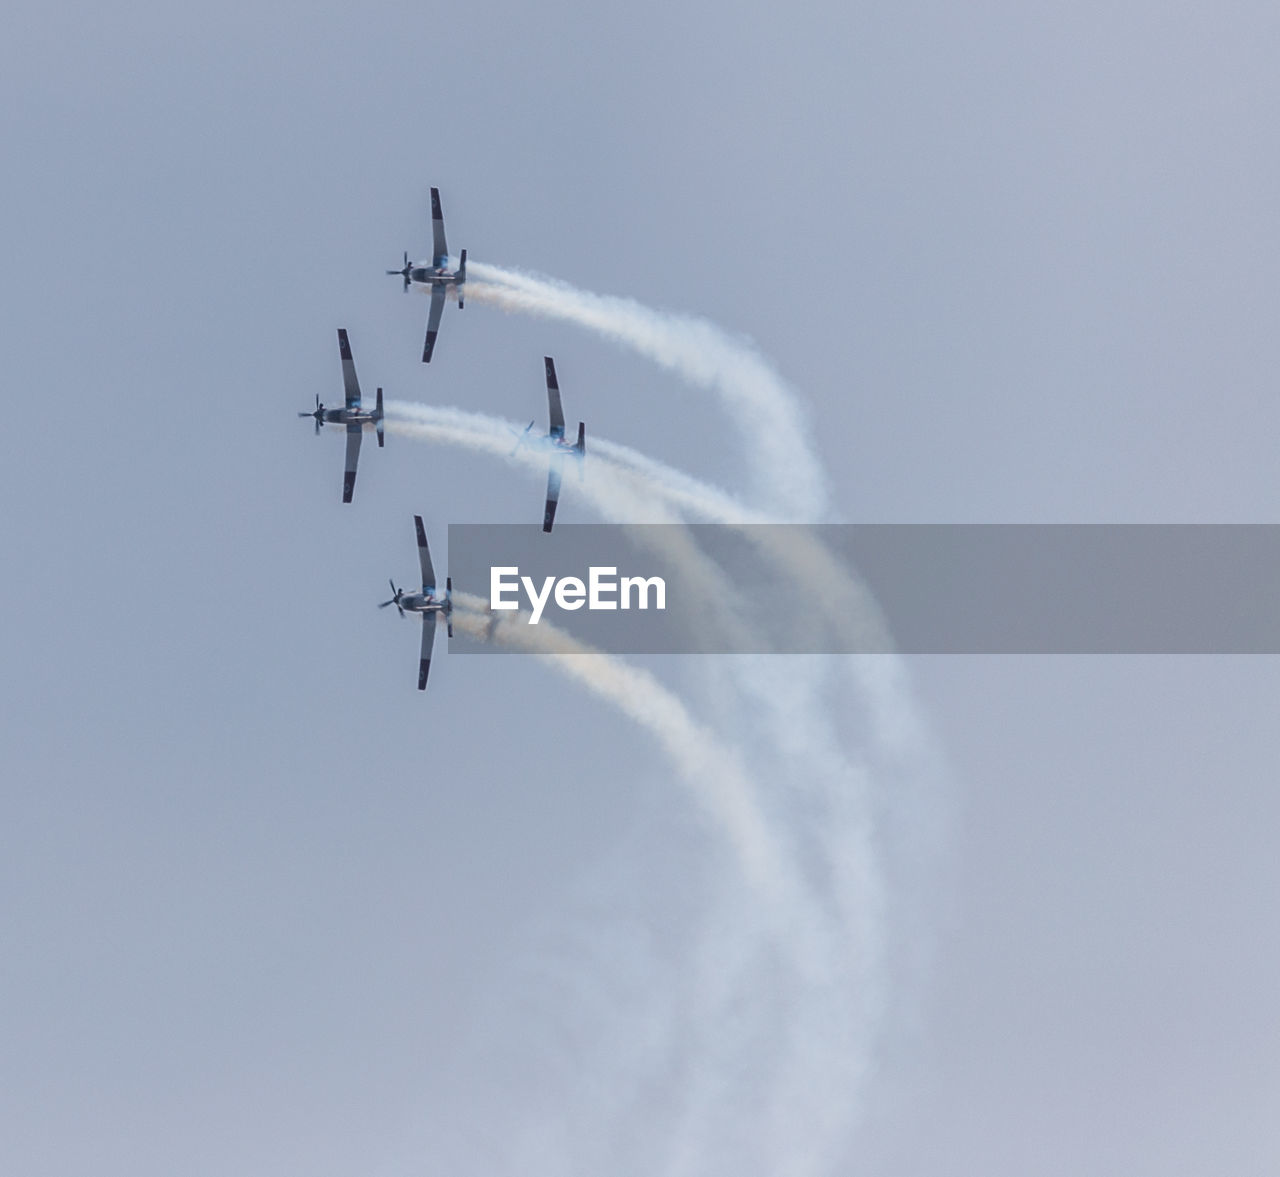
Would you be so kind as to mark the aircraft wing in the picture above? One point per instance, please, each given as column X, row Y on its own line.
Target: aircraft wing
column 424, row 558
column 428, row 639
column 433, row 322
column 354, row 433
column 554, row 409
column 553, row 491
column 349, row 381
column 440, row 249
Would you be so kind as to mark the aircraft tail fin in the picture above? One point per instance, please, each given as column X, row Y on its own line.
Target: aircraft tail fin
column 448, row 612
column 462, row 276
column 581, row 447
column 377, row 421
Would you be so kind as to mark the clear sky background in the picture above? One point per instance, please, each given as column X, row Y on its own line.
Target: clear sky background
column 260, row 901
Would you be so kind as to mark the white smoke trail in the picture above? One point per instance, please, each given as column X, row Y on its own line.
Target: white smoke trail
column 785, row 467
column 712, row 769
column 626, row 485
column 782, row 933
column 810, row 1101
column 769, row 417
column 839, row 971
column 620, row 493
column 616, row 491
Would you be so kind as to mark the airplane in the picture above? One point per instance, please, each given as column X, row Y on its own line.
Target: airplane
column 437, row 275
column 556, row 442
column 425, row 602
column 353, row 415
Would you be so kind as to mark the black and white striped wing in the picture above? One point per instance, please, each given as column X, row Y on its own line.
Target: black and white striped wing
column 554, row 409
column 439, row 249
column 553, row 491
column 428, row 640
column 424, row 558
column 354, row 433
column 433, row 322
column 349, row 382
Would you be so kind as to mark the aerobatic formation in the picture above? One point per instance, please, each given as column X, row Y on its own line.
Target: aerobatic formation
column 443, row 277
column 804, row 951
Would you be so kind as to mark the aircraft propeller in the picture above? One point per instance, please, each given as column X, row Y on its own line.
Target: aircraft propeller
column 520, row 438
column 396, row 594
column 318, row 414
column 405, row 272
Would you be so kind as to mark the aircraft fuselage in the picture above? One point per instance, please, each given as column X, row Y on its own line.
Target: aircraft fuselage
column 435, row 276
column 424, row 603
column 349, row 417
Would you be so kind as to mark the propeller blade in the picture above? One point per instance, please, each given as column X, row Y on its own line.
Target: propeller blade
column 406, row 285
column 396, row 594
column 520, row 439
column 317, row 426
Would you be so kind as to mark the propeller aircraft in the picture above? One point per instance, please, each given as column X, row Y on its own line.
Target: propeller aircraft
column 353, row 415
column 425, row 602
column 436, row 274
column 556, row 442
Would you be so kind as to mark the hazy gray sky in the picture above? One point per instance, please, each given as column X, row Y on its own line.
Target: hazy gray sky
column 265, row 909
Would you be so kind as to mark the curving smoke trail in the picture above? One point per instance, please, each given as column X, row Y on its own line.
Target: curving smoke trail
column 766, row 1045
column 784, row 465
column 626, row 485
column 838, row 973
column 623, row 489
column 774, row 936
column 712, row 769
column 762, row 405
